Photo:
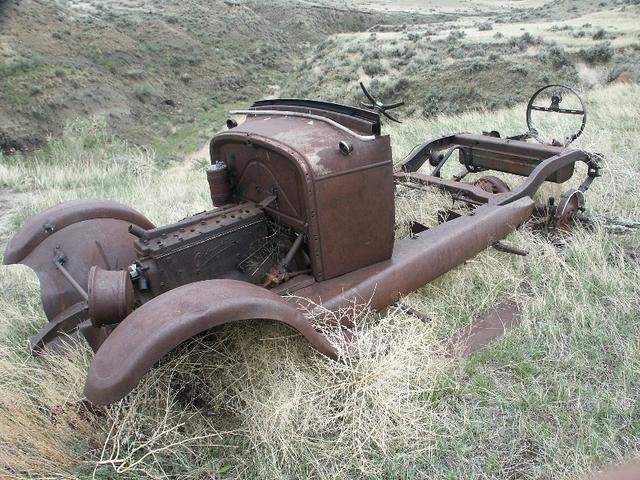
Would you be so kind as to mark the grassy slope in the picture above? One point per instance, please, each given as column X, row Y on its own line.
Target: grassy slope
column 124, row 60
column 556, row 397
column 485, row 57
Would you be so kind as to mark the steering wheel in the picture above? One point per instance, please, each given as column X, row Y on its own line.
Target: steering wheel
column 378, row 106
column 549, row 99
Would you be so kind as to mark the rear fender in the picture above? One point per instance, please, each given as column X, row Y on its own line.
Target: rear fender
column 161, row 324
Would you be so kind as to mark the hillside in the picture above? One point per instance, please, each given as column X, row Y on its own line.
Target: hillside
column 152, row 69
column 164, row 73
column 483, row 57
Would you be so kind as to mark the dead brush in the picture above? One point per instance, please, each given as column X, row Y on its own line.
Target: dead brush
column 42, row 415
column 292, row 403
column 262, row 403
column 368, row 405
column 422, row 206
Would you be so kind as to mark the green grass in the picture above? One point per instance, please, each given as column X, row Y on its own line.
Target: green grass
column 553, row 399
column 191, row 131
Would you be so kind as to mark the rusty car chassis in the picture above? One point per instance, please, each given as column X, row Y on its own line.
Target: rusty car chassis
column 304, row 197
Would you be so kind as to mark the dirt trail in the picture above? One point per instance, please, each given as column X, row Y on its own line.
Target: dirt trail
column 200, row 155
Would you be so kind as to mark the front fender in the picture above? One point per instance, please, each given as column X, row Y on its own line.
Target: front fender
column 51, row 221
column 83, row 233
column 161, row 324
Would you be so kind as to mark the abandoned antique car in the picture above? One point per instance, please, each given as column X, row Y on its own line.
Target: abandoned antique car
column 304, row 215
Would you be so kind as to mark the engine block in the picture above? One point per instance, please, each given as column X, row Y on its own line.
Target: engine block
column 207, row 245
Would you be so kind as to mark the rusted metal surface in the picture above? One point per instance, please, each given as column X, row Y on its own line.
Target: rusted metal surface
column 378, row 106
column 492, row 184
column 417, row 261
column 557, row 92
column 306, row 218
column 204, row 246
column 43, row 225
column 62, row 244
column 506, row 248
column 414, row 263
column 550, row 167
column 163, row 323
column 57, row 330
column 486, row 329
column 110, row 296
column 484, row 152
column 570, row 204
column 219, row 184
column 358, row 119
column 343, row 204
column 461, row 191
column 539, row 163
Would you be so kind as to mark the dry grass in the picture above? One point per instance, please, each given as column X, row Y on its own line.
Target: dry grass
column 556, row 397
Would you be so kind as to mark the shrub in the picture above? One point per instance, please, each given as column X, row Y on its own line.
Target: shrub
column 519, row 70
column 600, row 34
column 355, row 47
column 557, row 56
column 456, row 53
column 413, row 36
column 142, row 92
column 409, row 51
column 476, row 67
column 615, row 73
column 373, row 68
column 431, row 105
column 416, row 67
column 455, row 35
column 524, row 41
column 558, row 28
column 399, row 62
column 600, row 53
column 401, row 84
column 17, row 67
column 485, row 26
column 371, row 55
